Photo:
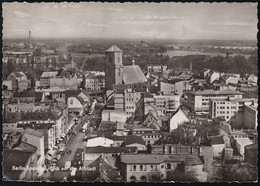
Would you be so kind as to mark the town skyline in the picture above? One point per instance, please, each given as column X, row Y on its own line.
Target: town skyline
column 158, row 21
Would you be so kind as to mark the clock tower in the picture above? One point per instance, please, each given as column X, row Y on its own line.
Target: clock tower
column 114, row 67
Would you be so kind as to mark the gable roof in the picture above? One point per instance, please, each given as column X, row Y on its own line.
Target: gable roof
column 133, row 74
column 100, row 170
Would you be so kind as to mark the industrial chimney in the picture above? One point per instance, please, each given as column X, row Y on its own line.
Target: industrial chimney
column 30, row 44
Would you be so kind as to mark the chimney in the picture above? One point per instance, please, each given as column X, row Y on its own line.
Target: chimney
column 191, row 66
column 30, row 44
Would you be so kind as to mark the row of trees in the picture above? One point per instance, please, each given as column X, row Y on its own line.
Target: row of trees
column 218, row 63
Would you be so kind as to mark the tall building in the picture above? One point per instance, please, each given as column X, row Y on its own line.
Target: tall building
column 122, row 77
column 114, row 67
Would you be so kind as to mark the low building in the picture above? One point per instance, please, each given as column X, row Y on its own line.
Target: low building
column 99, row 141
column 228, row 108
column 156, row 68
column 176, row 119
column 92, row 82
column 20, row 82
column 45, row 78
column 198, row 101
column 217, row 144
column 151, row 167
column 175, row 86
column 167, row 103
column 14, row 160
column 36, row 139
column 135, row 141
column 250, row 154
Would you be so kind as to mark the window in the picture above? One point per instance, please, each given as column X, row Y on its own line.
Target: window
column 151, row 167
column 168, row 166
column 162, row 166
column 134, row 168
column 141, row 167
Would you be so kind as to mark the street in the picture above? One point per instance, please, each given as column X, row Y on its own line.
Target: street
column 76, row 141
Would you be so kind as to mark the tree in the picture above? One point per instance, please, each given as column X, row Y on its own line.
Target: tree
column 187, row 133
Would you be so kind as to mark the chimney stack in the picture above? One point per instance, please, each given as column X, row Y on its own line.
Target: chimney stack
column 30, row 44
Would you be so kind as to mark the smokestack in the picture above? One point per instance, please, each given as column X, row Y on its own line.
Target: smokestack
column 30, row 44
column 191, row 66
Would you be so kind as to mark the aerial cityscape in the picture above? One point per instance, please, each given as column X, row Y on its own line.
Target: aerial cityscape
column 130, row 92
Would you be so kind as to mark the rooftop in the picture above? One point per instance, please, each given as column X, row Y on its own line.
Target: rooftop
column 49, row 74
column 21, row 157
column 33, row 132
column 133, row 74
column 215, row 140
column 134, row 139
column 212, row 92
column 114, row 48
column 100, row 149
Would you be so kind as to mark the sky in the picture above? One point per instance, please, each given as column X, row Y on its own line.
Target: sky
column 131, row 20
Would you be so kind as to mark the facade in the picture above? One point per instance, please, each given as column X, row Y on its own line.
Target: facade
column 176, row 86
column 151, row 167
column 156, row 68
column 36, row 139
column 198, row 101
column 45, row 78
column 177, row 119
column 228, row 108
column 167, row 103
column 127, row 100
column 94, row 82
column 217, row 144
column 19, row 80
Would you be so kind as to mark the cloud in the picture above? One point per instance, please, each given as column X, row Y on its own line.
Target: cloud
column 97, row 25
column 241, row 24
column 21, row 14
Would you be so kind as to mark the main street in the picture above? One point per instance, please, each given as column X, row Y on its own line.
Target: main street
column 75, row 141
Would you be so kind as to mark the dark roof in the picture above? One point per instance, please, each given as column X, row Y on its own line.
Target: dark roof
column 40, row 116
column 21, row 157
column 215, row 140
column 99, row 170
column 134, row 139
column 252, row 146
column 148, row 95
column 27, row 147
column 100, row 149
column 24, row 94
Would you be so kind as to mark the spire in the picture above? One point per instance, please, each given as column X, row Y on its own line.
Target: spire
column 133, row 61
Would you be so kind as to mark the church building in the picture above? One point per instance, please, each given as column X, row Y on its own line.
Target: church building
column 119, row 77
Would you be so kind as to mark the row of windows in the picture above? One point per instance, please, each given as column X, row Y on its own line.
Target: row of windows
column 153, row 136
column 143, row 167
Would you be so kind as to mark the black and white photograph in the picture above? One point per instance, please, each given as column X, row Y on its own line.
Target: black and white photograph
column 129, row 92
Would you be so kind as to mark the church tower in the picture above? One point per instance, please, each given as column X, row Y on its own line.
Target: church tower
column 114, row 67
